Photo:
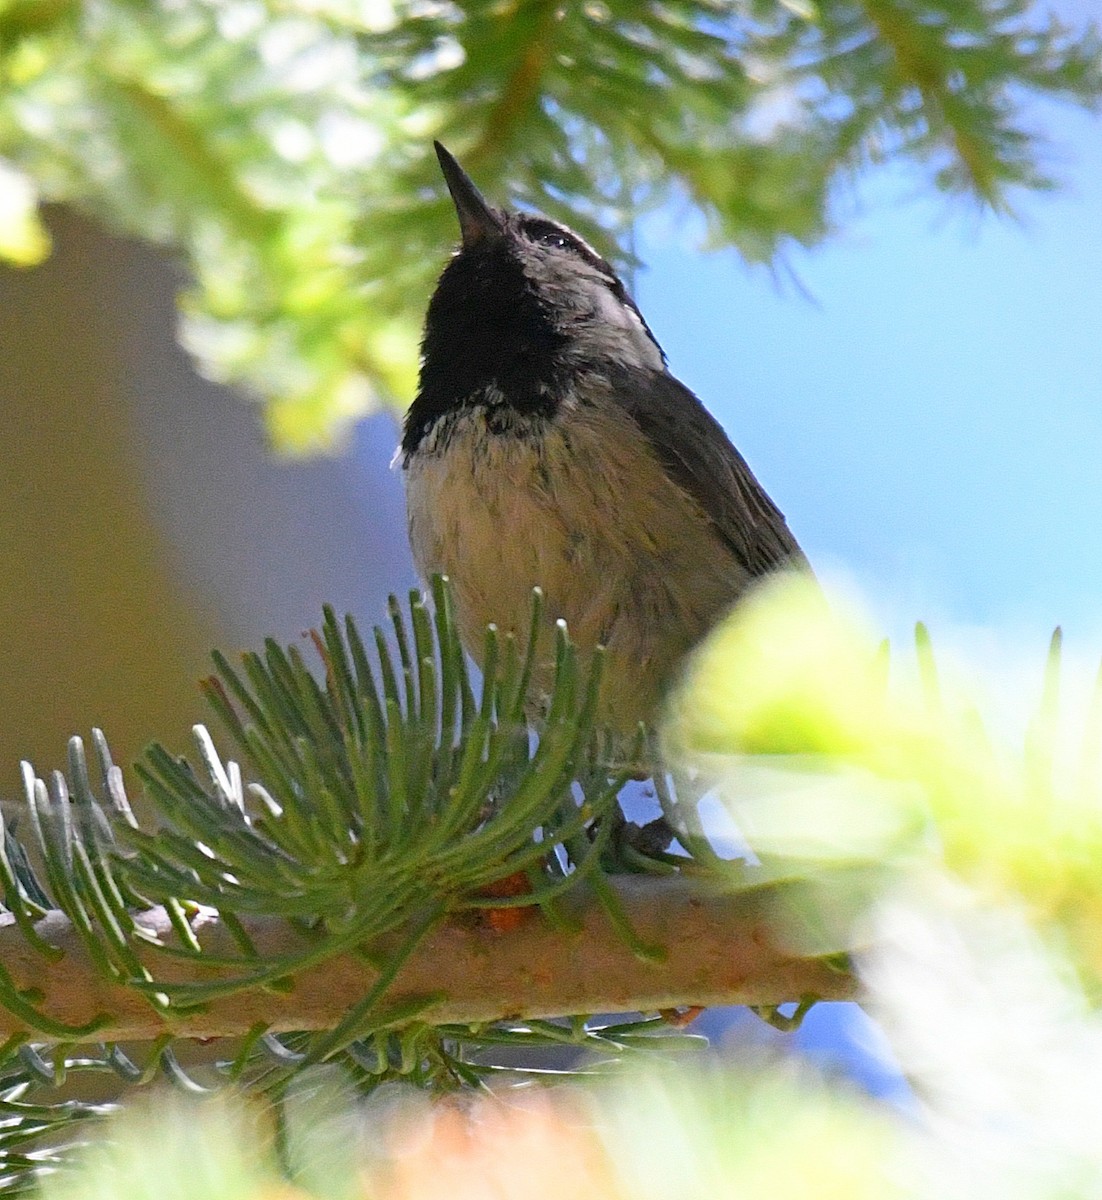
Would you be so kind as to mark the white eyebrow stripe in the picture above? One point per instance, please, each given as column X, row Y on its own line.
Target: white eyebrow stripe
column 530, row 222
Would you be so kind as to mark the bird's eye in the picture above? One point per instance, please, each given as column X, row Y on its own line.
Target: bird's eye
column 547, row 233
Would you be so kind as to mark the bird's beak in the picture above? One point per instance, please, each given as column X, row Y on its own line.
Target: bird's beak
column 477, row 220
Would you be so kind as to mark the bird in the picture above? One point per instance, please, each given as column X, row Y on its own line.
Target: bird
column 549, row 446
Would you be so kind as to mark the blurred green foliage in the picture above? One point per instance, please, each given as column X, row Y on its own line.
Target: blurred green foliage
column 770, row 1131
column 830, row 760
column 281, row 147
column 695, row 1134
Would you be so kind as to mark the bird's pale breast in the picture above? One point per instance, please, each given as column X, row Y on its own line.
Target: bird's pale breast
column 583, row 509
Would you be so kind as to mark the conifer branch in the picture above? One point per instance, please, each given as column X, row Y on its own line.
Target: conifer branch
column 341, row 882
column 718, row 949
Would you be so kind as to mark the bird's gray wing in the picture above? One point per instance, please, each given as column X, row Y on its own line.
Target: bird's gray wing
column 696, row 453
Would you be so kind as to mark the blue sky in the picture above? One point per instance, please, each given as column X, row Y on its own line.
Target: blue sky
column 931, row 421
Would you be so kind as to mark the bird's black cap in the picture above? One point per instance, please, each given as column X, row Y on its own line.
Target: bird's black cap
column 477, row 219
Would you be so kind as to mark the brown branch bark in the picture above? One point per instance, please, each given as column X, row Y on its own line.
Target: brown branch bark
column 719, row 949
